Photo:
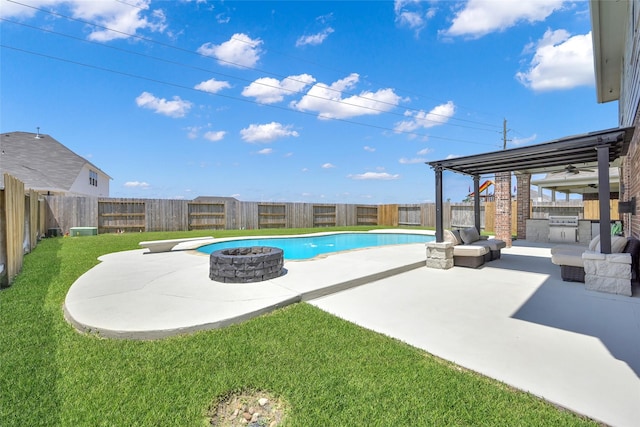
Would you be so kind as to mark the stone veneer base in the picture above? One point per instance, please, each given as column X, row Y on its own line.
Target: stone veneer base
column 440, row 255
column 610, row 273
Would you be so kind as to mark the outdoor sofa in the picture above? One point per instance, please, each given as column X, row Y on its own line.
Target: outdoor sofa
column 472, row 250
column 570, row 260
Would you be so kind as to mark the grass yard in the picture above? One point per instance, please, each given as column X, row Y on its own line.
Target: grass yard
column 329, row 372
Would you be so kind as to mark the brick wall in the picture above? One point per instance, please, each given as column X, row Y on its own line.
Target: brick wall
column 631, row 180
column 503, row 207
column 524, row 203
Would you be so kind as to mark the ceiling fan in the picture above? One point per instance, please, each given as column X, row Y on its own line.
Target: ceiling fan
column 571, row 169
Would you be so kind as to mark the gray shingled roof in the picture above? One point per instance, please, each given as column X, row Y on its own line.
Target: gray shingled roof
column 39, row 161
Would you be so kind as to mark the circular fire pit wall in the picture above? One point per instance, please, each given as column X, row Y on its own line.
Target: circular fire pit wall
column 246, row 265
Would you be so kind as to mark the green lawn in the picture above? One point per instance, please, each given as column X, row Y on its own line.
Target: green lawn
column 328, row 371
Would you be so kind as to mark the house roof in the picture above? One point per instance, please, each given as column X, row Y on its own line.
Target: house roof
column 578, row 150
column 40, row 162
column 608, row 23
column 584, row 181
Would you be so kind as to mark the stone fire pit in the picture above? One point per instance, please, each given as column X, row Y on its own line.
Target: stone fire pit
column 246, row 265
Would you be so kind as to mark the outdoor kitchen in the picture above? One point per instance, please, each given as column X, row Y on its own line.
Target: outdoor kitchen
column 562, row 229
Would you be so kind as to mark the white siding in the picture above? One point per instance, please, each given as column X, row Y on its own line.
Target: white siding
column 630, row 94
column 82, row 186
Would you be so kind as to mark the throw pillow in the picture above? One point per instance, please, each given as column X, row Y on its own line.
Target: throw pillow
column 618, row 244
column 469, row 235
column 450, row 237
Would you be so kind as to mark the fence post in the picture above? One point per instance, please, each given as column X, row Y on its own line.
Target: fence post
column 14, row 220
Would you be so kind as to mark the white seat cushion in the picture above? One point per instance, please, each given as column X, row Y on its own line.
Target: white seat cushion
column 573, row 259
column 470, row 250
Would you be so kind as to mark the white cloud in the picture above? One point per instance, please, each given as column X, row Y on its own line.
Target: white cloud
column 192, row 131
column 438, row 115
column 136, row 184
column 314, row 39
column 16, row 10
column 413, row 161
column 327, row 100
column 265, row 151
column 412, row 14
column 480, row 17
column 328, row 166
column 239, row 51
column 268, row 90
column 424, row 151
column 410, row 19
column 215, row 136
column 369, row 149
column 524, row 141
column 125, row 19
column 560, row 61
column 377, row 176
column 212, row 86
column 267, row 132
column 452, row 156
column 175, row 108
column 221, row 18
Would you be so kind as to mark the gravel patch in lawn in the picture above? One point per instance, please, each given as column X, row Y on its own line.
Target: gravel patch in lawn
column 247, row 409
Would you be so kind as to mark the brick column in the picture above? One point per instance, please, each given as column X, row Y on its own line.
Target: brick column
column 503, row 207
column 524, row 203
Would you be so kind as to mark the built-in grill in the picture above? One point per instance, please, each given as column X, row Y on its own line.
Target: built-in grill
column 563, row 228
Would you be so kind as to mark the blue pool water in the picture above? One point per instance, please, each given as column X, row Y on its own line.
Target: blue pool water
column 306, row 247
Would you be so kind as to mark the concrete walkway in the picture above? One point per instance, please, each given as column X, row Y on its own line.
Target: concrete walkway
column 513, row 319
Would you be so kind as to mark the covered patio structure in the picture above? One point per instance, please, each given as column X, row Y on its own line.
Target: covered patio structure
column 601, row 150
column 582, row 181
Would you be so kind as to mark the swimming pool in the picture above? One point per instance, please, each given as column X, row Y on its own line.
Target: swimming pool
column 305, row 247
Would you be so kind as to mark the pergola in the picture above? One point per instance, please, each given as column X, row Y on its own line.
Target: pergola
column 596, row 149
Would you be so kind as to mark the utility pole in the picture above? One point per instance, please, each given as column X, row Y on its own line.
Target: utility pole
column 504, row 134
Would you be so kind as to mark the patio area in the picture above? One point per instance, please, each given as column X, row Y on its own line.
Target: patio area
column 514, row 319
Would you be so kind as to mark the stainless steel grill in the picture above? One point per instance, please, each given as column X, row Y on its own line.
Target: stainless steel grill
column 563, row 221
column 563, row 228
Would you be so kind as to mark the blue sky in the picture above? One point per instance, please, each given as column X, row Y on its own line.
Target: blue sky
column 295, row 101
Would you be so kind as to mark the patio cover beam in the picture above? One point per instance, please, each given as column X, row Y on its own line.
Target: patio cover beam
column 604, row 193
column 476, row 202
column 542, row 158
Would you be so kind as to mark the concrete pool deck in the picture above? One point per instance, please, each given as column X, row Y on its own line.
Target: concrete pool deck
column 141, row 295
column 514, row 319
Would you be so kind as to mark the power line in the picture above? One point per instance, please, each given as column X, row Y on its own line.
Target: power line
column 373, row 81
column 180, row 64
column 147, row 39
column 131, row 75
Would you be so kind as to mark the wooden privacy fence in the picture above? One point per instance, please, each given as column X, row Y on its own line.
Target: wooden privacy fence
column 22, row 224
column 111, row 215
column 133, row 215
column 25, row 217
